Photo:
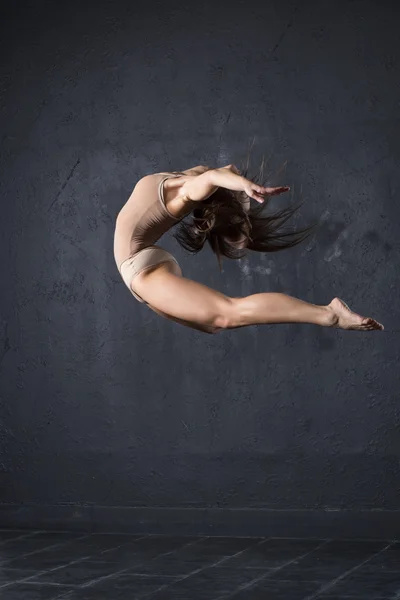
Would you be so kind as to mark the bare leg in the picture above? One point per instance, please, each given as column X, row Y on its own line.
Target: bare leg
column 280, row 308
column 201, row 307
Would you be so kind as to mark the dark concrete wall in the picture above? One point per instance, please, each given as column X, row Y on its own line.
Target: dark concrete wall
column 104, row 402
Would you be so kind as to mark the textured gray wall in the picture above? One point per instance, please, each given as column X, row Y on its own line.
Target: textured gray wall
column 104, row 402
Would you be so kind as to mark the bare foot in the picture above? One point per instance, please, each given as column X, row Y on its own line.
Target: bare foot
column 344, row 318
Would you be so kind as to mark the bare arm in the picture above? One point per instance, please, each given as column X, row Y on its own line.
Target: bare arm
column 202, row 187
column 196, row 170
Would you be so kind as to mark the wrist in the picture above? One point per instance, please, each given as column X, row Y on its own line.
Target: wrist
column 227, row 179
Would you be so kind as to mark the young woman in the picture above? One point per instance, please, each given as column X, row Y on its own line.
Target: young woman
column 219, row 200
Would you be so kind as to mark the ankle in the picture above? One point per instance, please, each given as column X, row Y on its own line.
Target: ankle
column 329, row 318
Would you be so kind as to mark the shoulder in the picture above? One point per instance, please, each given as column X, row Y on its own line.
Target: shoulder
column 148, row 181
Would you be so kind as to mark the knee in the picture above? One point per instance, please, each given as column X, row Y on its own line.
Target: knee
column 228, row 316
column 221, row 322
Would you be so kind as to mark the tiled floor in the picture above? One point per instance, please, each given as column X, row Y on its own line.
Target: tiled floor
column 39, row 565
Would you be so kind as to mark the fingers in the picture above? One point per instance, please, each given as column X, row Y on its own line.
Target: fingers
column 252, row 193
column 257, row 192
column 277, row 190
column 271, row 191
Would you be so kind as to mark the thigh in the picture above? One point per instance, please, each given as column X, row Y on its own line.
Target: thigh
column 192, row 325
column 183, row 300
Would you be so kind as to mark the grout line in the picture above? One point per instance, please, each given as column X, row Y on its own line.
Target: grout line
column 45, row 571
column 142, row 537
column 39, row 573
column 19, row 537
column 64, row 595
column 332, row 583
column 117, row 573
column 274, row 570
column 4, row 564
column 196, row 571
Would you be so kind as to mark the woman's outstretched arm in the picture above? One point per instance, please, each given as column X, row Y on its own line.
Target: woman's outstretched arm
column 202, row 187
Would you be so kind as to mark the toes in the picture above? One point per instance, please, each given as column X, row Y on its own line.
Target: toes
column 369, row 323
column 374, row 326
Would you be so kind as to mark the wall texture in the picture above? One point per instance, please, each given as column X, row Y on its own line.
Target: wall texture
column 103, row 403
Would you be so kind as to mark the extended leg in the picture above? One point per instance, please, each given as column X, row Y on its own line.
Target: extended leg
column 201, row 307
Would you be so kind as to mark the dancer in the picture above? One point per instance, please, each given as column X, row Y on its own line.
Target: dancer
column 219, row 200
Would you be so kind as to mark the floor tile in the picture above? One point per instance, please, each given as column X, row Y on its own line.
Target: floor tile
column 272, row 553
column 78, row 573
column 123, row 587
column 202, row 554
column 7, row 534
column 214, row 582
column 367, row 584
column 87, row 547
column 15, row 548
column 55, row 537
column 277, row 590
column 388, row 560
column 9, row 575
column 144, row 549
column 298, row 572
column 335, row 563
column 26, row 591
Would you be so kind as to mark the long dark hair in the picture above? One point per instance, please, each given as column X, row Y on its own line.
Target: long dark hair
column 231, row 228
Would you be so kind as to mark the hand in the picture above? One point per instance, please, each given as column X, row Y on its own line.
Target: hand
column 251, row 189
column 257, row 192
